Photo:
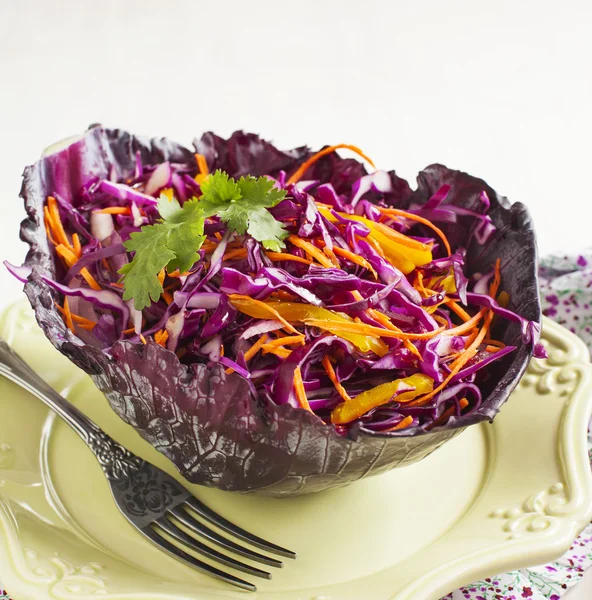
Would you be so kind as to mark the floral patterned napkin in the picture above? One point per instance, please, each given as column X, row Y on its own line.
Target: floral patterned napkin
column 566, row 294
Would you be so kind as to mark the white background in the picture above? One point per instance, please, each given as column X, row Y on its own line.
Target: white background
column 501, row 89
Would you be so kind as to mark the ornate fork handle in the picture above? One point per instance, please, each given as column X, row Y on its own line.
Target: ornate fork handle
column 116, row 461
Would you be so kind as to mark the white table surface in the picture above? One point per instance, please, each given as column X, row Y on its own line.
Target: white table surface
column 501, row 89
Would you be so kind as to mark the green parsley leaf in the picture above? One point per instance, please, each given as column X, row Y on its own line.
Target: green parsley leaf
column 173, row 243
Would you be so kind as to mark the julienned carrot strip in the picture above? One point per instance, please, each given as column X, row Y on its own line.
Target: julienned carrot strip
column 297, row 175
column 117, row 285
column 77, row 246
column 58, row 228
column 283, row 353
column 457, row 309
column 68, row 315
column 76, row 318
column 356, row 259
column 311, row 250
column 202, row 165
column 161, row 275
column 333, row 377
column 363, row 329
column 238, row 253
column 167, row 297
column 443, row 418
column 467, row 325
column 460, row 362
column 495, row 343
column 70, row 259
column 255, row 347
column 497, row 278
column 492, row 349
column 129, row 331
column 331, row 256
column 284, row 341
column 403, row 424
column 161, row 337
column 407, row 215
column 386, row 322
column 300, row 391
column 277, row 256
column 114, row 210
column 283, row 295
column 48, row 233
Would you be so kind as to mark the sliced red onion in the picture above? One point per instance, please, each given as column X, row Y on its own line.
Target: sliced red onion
column 124, row 192
column 139, row 220
column 135, row 316
column 160, row 178
column 101, row 225
column 260, row 328
column 174, row 327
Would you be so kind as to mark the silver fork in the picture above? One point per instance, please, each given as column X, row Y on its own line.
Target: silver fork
column 152, row 501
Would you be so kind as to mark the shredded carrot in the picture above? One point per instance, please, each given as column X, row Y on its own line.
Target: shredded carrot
column 443, row 418
column 76, row 245
column 331, row 256
column 283, row 295
column 440, row 320
column 255, row 347
column 176, row 274
column 495, row 343
column 117, row 285
column 58, row 228
column 363, row 329
column 167, row 297
column 497, row 278
column 68, row 315
column 161, row 337
column 311, row 250
column 355, row 258
column 48, row 217
column 218, row 236
column 412, row 217
column 267, row 308
column 333, row 377
column 181, row 353
column 161, row 276
column 492, row 349
column 238, row 253
column 459, row 363
column 386, row 322
column 403, row 424
column 457, row 309
column 297, row 175
column 114, row 210
column 277, row 256
column 105, row 264
column 70, row 259
column 467, row 325
column 281, row 352
column 284, row 341
column 76, row 318
column 129, row 331
column 48, row 233
column 143, row 339
column 202, row 165
column 300, row 391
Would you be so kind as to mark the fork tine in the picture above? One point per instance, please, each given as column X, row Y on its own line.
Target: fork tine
column 157, row 539
column 203, row 511
column 211, row 553
column 199, row 528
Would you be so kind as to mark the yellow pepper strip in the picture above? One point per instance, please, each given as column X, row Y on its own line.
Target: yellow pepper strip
column 381, row 394
column 299, row 313
column 339, row 328
column 168, row 192
column 261, row 310
column 413, row 217
column 403, row 252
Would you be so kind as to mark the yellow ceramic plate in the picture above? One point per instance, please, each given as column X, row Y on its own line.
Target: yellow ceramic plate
column 496, row 498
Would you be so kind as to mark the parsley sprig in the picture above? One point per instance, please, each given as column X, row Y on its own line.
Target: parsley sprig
column 173, row 242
